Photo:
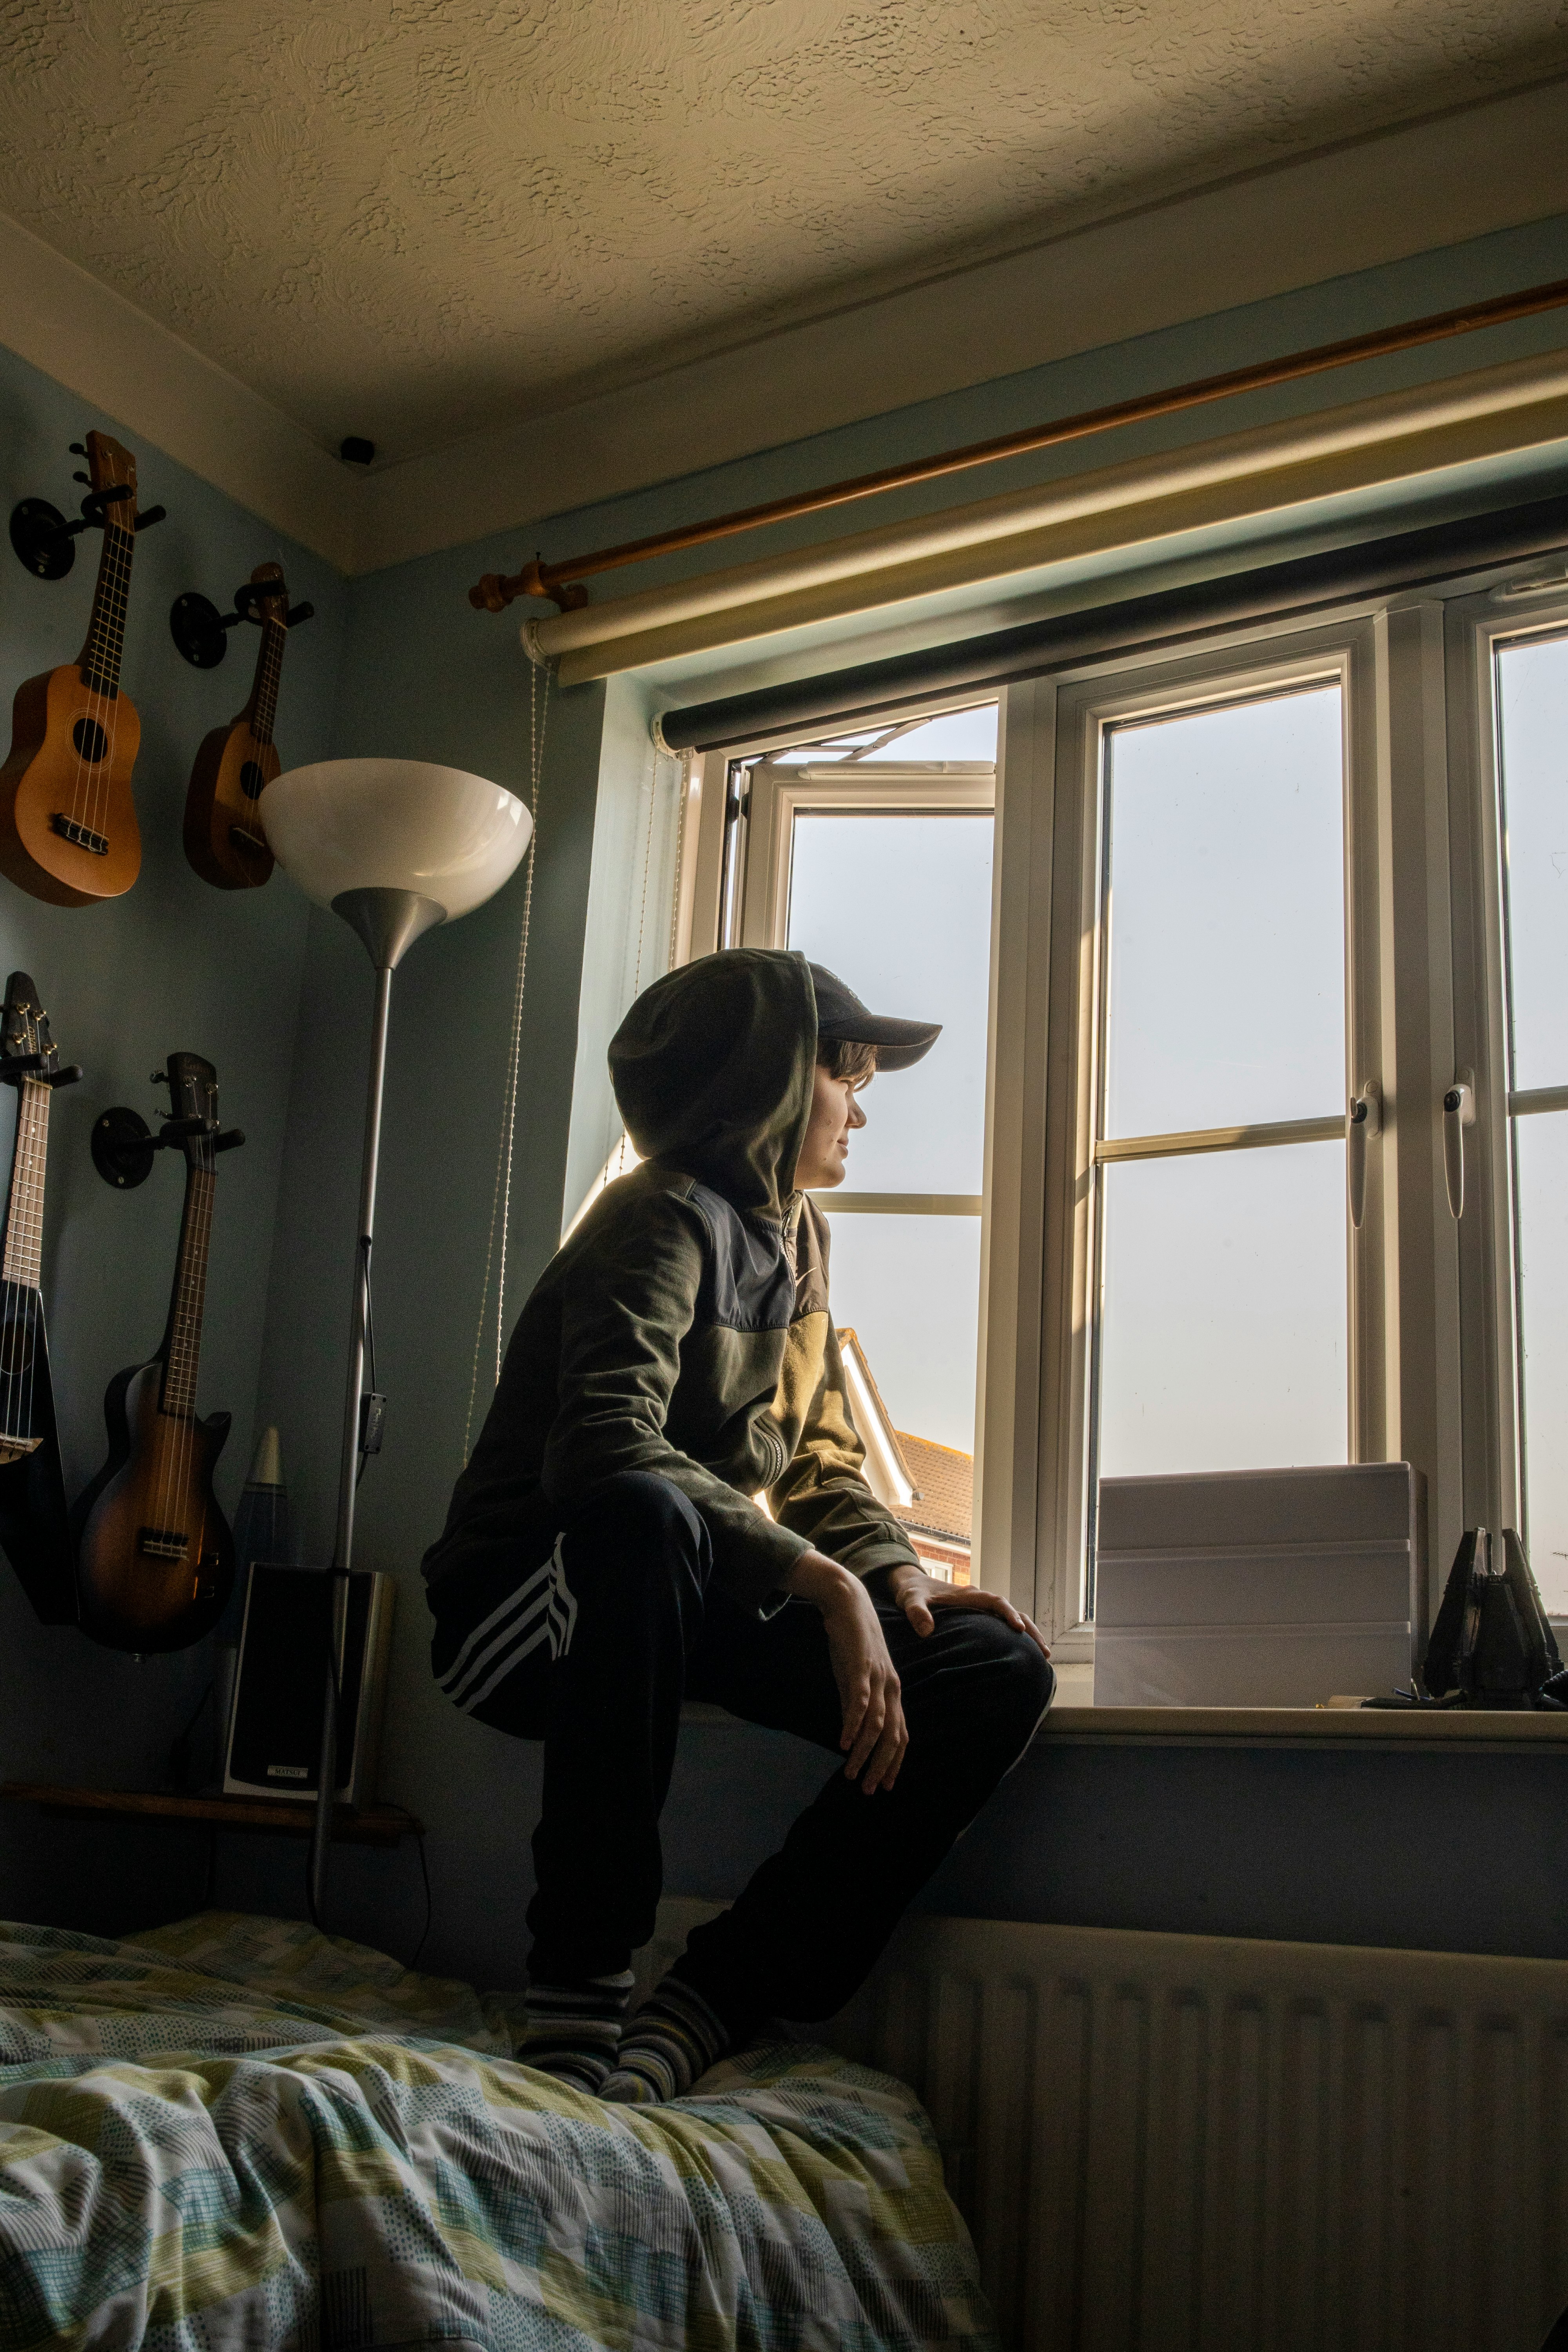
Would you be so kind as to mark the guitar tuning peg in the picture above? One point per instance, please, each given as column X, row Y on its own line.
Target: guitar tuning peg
column 78, row 449
column 83, row 477
column 159, row 1078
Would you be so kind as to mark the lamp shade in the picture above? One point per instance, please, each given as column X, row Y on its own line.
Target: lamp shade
column 395, row 825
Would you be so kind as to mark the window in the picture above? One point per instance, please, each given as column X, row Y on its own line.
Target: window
column 1531, row 694
column 871, row 853
column 1220, row 1296
column 1274, row 1153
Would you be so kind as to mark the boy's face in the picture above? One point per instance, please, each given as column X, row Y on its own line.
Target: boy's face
column 836, row 1113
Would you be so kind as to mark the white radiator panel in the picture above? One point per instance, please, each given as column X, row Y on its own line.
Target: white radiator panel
column 1194, row 2144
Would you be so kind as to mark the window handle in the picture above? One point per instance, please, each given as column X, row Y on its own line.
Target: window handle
column 1363, row 1122
column 1458, row 1112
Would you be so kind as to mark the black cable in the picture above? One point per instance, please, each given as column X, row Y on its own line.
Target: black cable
column 369, row 1311
column 429, row 1902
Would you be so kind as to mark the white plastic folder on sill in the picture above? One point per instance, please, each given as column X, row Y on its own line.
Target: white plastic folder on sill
column 1259, row 1588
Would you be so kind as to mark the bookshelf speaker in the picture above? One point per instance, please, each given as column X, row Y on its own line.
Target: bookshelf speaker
column 275, row 1722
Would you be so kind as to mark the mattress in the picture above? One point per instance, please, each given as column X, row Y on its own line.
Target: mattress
column 237, row 2132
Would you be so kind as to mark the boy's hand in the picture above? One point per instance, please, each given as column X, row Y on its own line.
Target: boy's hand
column 917, row 1594
column 874, row 1730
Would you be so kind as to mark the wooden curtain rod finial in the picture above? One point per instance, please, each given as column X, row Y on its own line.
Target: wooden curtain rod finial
column 494, row 592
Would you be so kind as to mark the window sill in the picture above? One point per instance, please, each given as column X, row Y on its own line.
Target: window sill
column 1304, row 1727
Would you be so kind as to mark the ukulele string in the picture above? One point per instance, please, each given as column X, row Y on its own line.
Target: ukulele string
column 32, row 1104
column 117, row 605
column 19, row 1244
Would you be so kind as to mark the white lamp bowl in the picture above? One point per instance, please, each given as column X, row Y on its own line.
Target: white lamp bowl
column 395, row 825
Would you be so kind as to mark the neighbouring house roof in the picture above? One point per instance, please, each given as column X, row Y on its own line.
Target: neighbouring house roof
column 929, row 1488
column 943, row 1480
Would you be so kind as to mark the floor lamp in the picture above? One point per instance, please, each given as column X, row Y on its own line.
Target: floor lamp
column 395, row 847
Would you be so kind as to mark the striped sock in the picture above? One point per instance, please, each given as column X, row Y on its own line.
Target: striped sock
column 571, row 2031
column 673, row 2039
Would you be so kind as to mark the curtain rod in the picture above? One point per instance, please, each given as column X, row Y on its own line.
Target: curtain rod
column 561, row 583
column 1137, row 624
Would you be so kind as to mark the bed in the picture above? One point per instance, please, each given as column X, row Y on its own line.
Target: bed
column 234, row 2132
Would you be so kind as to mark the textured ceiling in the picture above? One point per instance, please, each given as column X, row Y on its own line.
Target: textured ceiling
column 411, row 219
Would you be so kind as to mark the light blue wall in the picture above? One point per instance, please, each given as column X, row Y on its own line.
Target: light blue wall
column 425, row 676
column 173, row 964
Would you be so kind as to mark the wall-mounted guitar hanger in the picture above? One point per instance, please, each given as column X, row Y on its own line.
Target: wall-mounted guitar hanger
column 200, row 630
column 123, row 1145
column 45, row 543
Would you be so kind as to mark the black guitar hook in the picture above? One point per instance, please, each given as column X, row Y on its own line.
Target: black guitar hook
column 200, row 632
column 124, row 1146
column 45, row 543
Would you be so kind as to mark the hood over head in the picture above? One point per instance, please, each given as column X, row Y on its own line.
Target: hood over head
column 712, row 1070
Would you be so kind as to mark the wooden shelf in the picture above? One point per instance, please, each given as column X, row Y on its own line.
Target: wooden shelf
column 382, row 1825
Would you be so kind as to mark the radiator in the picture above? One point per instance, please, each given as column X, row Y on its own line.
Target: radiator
column 1195, row 2144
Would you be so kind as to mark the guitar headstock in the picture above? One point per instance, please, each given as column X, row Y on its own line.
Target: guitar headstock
column 193, row 1107
column 27, row 1048
column 114, row 467
column 273, row 606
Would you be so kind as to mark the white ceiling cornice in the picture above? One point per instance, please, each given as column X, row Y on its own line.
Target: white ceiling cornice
column 1378, row 200
column 75, row 328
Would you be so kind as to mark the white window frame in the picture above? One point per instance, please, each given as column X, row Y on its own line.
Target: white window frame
column 1510, row 612
column 1431, row 1317
column 1403, row 1320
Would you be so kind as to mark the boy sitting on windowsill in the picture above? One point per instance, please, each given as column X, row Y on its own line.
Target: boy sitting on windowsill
column 604, row 1558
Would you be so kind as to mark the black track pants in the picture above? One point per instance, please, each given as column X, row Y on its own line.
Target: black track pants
column 591, row 1638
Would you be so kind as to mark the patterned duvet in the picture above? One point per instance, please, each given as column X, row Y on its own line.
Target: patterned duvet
column 234, row 2132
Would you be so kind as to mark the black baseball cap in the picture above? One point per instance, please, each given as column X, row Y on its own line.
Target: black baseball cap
column 842, row 1019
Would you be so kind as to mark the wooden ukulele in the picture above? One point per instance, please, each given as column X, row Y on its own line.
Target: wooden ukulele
column 34, row 1528
column 68, row 823
column 224, row 839
column 154, row 1556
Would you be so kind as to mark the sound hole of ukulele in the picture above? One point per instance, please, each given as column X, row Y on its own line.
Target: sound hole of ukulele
column 251, row 781
column 89, row 739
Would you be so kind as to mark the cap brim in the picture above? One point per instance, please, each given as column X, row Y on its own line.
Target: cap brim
column 899, row 1044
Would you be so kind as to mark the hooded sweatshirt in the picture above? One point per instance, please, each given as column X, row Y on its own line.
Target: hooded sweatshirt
column 684, row 1328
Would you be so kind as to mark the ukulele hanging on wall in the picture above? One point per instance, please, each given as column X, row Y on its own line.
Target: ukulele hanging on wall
column 68, row 823
column 224, row 839
column 34, row 1531
column 154, row 1556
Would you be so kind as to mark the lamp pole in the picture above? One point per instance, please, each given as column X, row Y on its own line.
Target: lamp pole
column 388, row 921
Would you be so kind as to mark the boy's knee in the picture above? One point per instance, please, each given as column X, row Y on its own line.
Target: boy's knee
column 643, row 1516
column 1018, row 1683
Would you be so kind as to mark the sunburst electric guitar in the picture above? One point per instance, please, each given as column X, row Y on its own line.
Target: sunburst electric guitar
column 68, row 823
column 224, row 839
column 34, row 1530
column 154, row 1556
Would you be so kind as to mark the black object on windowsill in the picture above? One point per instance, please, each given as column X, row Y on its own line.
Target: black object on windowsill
column 1492, row 1646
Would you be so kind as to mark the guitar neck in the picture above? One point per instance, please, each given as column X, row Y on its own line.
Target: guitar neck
column 23, row 1262
column 100, row 658
column 268, row 672
column 183, row 1341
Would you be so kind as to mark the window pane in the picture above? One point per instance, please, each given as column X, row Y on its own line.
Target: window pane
column 1226, row 903
column 1532, row 724
column 956, row 735
column 899, row 907
column 1224, row 1328
column 911, row 1288
column 1541, row 1151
